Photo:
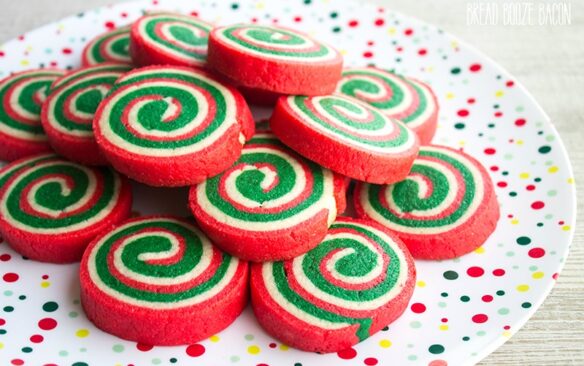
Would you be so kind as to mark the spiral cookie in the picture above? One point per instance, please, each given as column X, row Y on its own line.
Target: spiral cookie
column 399, row 97
column 277, row 60
column 172, row 126
column 158, row 280
column 112, row 46
column 51, row 210
column 347, row 136
column 21, row 96
column 445, row 208
column 67, row 115
column 169, row 39
column 270, row 205
column 356, row 281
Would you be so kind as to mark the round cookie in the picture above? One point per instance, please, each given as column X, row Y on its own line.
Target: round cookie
column 347, row 136
column 172, row 126
column 67, row 115
column 21, row 97
column 111, row 46
column 445, row 208
column 274, row 59
column 270, row 205
column 355, row 282
column 158, row 280
column 406, row 99
column 169, row 39
column 51, row 210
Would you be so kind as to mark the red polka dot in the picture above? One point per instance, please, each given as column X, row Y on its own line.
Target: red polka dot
column 272, row 345
column 353, row 23
column 536, row 252
column 2, row 321
column 418, row 308
column 409, row 32
column 36, row 338
column 520, row 122
column 494, row 168
column 555, row 276
column 475, row 271
column 47, row 323
column 367, row 54
column 10, row 277
column 17, row 362
column 490, row 151
column 379, row 22
column 537, row 205
column 370, row 43
column 487, row 298
column 480, row 318
column 347, row 354
column 510, row 83
column 498, row 272
column 530, row 187
column 262, row 364
column 5, row 257
column 125, row 15
column 438, row 363
column 475, row 67
column 53, row 63
column 471, row 100
column 2, row 54
column 143, row 347
column 297, row 19
column 370, row 361
column 45, row 277
column 506, row 327
column 422, row 51
column 462, row 113
column 502, row 184
column 110, row 25
column 66, row 51
column 498, row 114
column 195, row 350
column 444, row 320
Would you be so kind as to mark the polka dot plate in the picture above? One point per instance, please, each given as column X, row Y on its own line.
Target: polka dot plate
column 461, row 310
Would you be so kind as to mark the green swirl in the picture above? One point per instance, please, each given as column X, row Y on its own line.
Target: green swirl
column 358, row 264
column 405, row 193
column 155, row 244
column 120, row 47
column 182, row 33
column 10, row 170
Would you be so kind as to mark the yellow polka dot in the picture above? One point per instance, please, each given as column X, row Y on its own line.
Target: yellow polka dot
column 480, row 250
column 519, row 142
column 524, row 175
column 421, row 284
column 499, row 93
column 454, row 44
column 1, row 345
column 449, row 95
column 507, row 334
column 82, row 333
column 385, row 343
column 443, row 327
column 429, row 69
column 24, row 62
column 461, row 143
column 391, row 31
column 514, row 222
column 254, row 350
column 570, row 180
column 553, row 169
column 537, row 275
column 284, row 347
column 343, row 52
column 214, row 338
column 260, row 5
column 523, row 288
column 45, row 284
column 566, row 228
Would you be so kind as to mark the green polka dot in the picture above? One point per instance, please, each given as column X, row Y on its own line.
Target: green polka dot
column 336, row 29
column 465, row 338
column 79, row 364
column 26, row 349
column 173, row 360
column 533, row 268
column 523, row 240
column 450, row 275
column 459, row 126
column 73, row 314
column 235, row 6
column 464, row 298
column 444, row 294
column 22, row 297
column 118, row 348
column 510, row 254
column 63, row 353
column 50, row 306
column 412, row 357
column 481, row 333
column 8, row 293
column 156, row 361
column 503, row 311
column 415, row 324
column 526, row 305
column 544, row 149
column 552, row 193
column 234, row 358
column 442, row 304
column 9, row 309
column 455, row 71
column 436, row 349
column 500, row 293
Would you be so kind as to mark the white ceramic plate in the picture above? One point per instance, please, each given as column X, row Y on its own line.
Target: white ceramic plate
column 461, row 310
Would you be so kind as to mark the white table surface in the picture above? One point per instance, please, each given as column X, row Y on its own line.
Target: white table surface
column 549, row 61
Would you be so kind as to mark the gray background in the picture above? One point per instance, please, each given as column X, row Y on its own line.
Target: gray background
column 549, row 61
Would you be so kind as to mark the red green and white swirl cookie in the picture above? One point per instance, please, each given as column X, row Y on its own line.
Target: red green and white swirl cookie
column 445, row 208
column 111, row 46
column 172, row 126
column 347, row 136
column 169, row 39
column 274, row 59
column 409, row 100
column 272, row 204
column 22, row 96
column 67, row 115
column 355, row 282
column 158, row 280
column 51, row 209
